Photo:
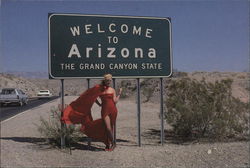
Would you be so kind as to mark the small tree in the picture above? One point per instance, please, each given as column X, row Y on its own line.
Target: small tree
column 51, row 129
column 205, row 109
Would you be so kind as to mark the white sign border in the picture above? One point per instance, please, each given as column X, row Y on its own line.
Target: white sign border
column 117, row 77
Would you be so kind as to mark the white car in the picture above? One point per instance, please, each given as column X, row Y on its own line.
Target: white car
column 13, row 95
column 44, row 94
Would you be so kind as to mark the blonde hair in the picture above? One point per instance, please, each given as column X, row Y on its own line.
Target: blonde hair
column 107, row 77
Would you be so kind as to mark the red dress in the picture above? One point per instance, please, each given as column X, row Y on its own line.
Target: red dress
column 108, row 107
column 79, row 112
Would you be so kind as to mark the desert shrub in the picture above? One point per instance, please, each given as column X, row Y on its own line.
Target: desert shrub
column 128, row 88
column 5, row 83
column 124, row 93
column 75, row 92
column 177, row 74
column 148, row 93
column 242, row 77
column 51, row 129
column 201, row 109
column 147, row 89
column 125, row 86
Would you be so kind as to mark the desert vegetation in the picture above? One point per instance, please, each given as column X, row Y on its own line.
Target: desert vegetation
column 52, row 131
column 198, row 104
column 204, row 109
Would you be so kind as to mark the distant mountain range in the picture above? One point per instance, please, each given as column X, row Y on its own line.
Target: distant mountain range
column 43, row 75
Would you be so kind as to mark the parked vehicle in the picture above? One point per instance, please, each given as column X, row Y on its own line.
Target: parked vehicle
column 44, row 94
column 13, row 96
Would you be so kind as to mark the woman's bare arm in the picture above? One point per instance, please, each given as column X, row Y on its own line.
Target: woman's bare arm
column 116, row 98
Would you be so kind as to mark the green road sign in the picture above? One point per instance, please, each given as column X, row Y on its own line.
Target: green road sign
column 88, row 46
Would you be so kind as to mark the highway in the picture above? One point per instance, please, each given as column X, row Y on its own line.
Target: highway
column 12, row 110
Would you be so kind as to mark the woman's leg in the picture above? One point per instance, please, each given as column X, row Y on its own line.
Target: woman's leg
column 109, row 128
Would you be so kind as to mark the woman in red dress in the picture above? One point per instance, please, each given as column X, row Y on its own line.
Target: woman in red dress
column 109, row 110
column 79, row 111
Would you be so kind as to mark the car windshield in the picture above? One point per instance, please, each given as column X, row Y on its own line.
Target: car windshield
column 8, row 91
column 44, row 91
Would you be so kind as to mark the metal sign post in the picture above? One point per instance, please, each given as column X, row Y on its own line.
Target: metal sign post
column 161, row 112
column 138, row 111
column 88, row 80
column 114, row 129
column 89, row 139
column 62, row 108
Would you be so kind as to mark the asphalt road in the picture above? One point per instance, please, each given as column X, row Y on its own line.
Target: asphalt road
column 12, row 110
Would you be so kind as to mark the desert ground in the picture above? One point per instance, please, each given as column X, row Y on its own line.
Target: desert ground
column 23, row 146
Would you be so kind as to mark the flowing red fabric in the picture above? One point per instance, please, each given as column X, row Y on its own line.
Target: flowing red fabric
column 79, row 112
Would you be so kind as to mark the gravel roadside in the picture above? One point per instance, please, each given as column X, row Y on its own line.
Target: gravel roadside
column 22, row 146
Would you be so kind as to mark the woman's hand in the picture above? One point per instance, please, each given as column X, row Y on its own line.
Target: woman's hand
column 120, row 91
column 117, row 97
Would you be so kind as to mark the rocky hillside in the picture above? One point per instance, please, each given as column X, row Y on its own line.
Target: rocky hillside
column 12, row 81
column 240, row 86
column 149, row 87
column 31, row 86
column 71, row 87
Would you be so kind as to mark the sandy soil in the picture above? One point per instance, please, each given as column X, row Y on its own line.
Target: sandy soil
column 22, row 146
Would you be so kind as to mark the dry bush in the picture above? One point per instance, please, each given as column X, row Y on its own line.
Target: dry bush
column 148, row 87
column 148, row 93
column 52, row 131
column 128, row 87
column 201, row 109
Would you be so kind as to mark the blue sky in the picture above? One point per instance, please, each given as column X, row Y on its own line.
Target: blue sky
column 207, row 35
